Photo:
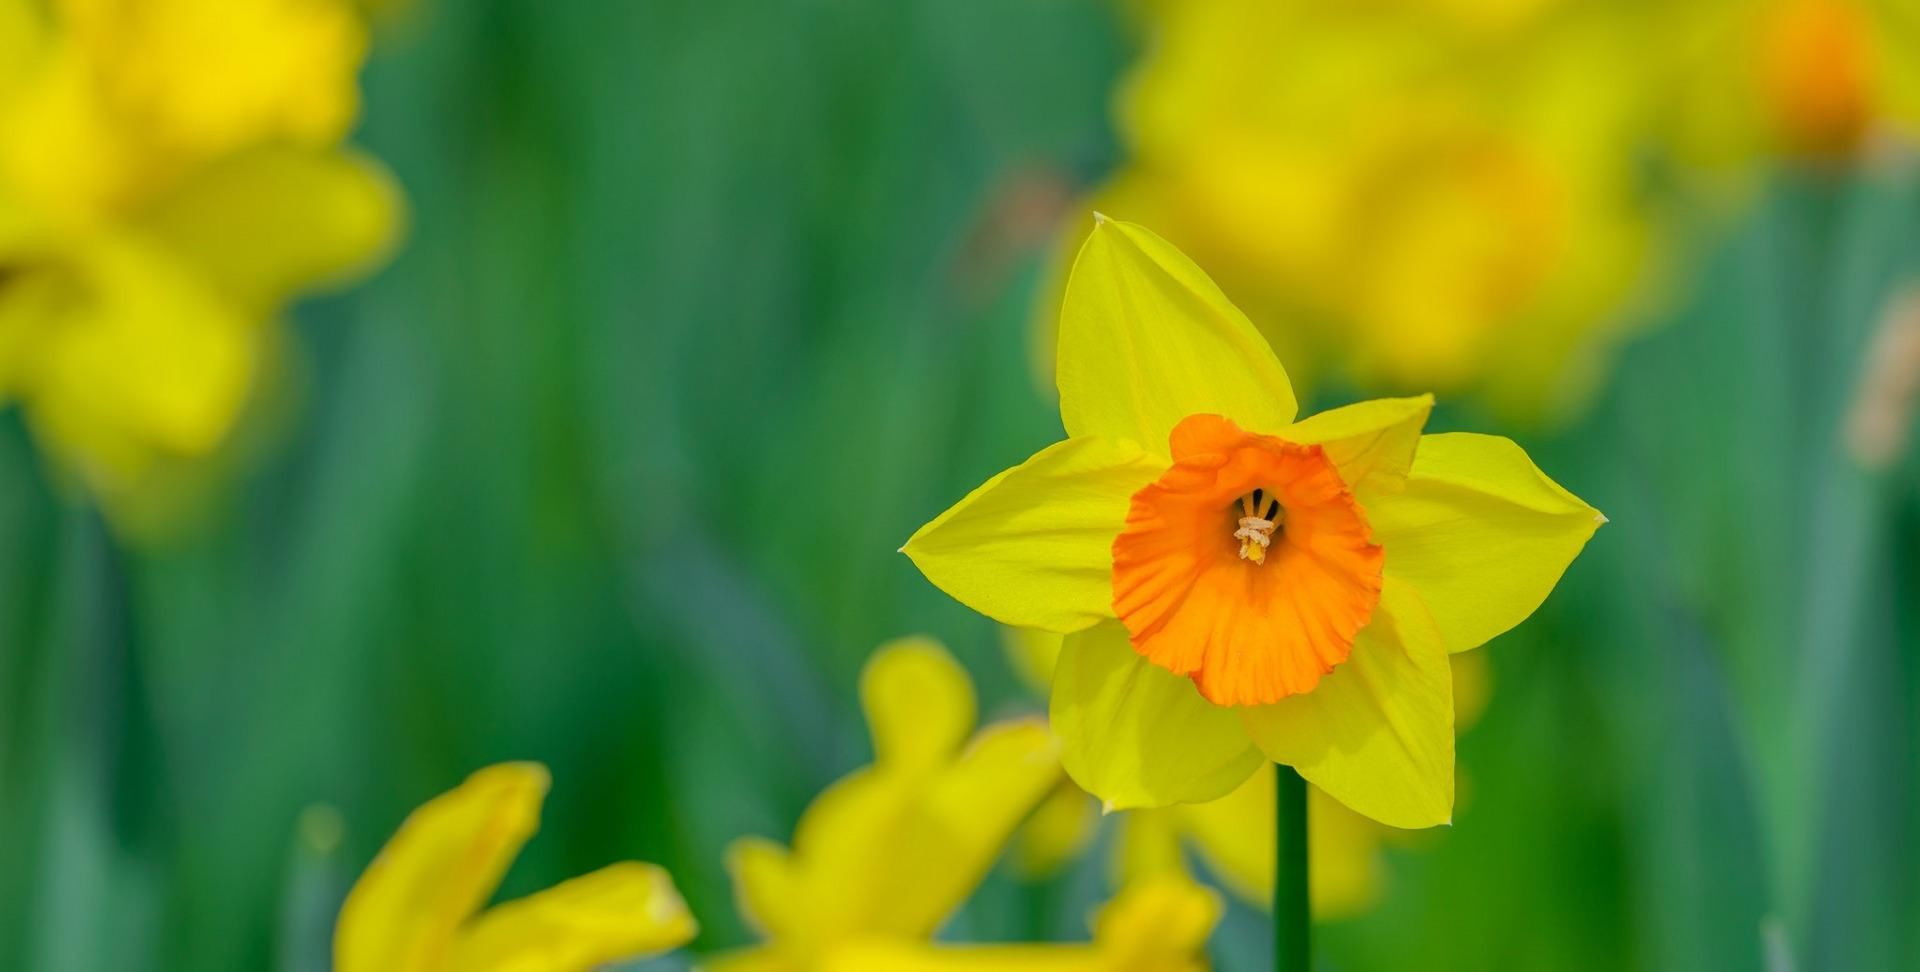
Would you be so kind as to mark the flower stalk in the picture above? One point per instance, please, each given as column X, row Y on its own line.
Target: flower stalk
column 1292, row 919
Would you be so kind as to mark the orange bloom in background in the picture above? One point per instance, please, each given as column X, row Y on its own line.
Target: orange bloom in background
column 1236, row 583
column 1817, row 74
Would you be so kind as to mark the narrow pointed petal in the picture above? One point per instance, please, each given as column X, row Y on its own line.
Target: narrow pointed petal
column 440, row 867
column 268, row 223
column 1034, row 545
column 1158, row 923
column 920, row 703
column 1482, row 533
column 767, row 889
column 973, row 809
column 1371, row 443
column 1146, row 339
column 1377, row 734
column 1136, row 735
column 622, row 912
column 893, row 851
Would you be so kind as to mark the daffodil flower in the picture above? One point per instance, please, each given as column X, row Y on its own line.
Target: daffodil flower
column 171, row 176
column 883, row 856
column 1238, row 585
column 418, row 907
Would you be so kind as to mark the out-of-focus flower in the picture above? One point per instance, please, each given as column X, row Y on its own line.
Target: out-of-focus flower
column 1430, row 195
column 170, row 176
column 1157, row 924
column 1278, row 589
column 883, row 856
column 1813, row 79
column 418, row 906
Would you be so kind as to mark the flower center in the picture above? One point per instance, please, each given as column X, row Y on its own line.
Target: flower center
column 1260, row 515
column 1247, row 566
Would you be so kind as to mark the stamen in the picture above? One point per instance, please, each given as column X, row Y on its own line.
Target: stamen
column 1261, row 516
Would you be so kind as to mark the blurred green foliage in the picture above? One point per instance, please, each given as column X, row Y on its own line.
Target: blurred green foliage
column 706, row 306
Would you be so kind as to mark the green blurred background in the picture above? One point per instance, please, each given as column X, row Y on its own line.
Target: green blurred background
column 705, row 307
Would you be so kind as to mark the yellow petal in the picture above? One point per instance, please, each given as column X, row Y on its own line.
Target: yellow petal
column 270, row 223
column 1147, row 845
column 1377, row 733
column 204, row 77
column 134, row 359
column 1156, row 924
column 1034, row 545
column 1136, row 735
column 974, row 808
column 894, row 852
column 1481, row 533
column 767, row 890
column 1146, row 339
column 620, row 912
column 1372, row 443
column 919, row 702
column 437, row 870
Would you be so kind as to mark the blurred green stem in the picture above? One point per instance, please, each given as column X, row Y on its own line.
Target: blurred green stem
column 1292, row 920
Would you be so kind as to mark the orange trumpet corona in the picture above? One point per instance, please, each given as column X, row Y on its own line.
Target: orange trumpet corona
column 1248, row 565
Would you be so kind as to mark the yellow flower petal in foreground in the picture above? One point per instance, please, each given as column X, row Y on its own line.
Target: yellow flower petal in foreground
column 887, row 853
column 1379, row 733
column 414, row 910
column 1287, row 586
column 1482, row 533
column 1124, row 375
column 1033, row 547
column 1149, row 737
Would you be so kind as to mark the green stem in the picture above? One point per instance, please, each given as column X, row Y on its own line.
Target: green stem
column 1292, row 916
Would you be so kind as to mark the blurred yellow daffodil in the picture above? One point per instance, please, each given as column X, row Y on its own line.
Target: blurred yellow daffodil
column 883, row 856
column 418, row 906
column 170, row 176
column 1236, row 584
column 1434, row 196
